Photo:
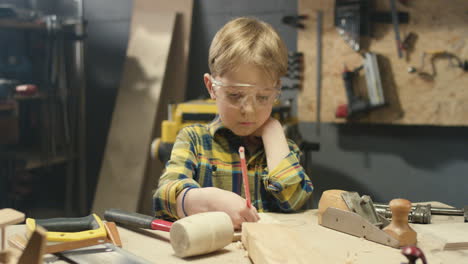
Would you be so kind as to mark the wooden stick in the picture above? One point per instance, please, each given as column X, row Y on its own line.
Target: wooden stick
column 113, row 233
column 3, row 238
column 34, row 250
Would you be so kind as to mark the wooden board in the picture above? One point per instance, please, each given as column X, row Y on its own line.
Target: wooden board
column 125, row 159
column 264, row 219
column 453, row 236
column 276, row 243
column 10, row 216
column 174, row 85
column 440, row 25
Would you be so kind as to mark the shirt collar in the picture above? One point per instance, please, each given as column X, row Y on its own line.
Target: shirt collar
column 215, row 126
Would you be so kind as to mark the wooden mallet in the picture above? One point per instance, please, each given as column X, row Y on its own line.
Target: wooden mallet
column 190, row 236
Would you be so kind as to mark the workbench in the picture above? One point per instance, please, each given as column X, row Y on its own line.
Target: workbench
column 335, row 246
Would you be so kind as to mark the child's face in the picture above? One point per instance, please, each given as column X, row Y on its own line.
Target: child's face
column 244, row 98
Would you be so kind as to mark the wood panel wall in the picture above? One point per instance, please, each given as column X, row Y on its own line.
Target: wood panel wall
column 438, row 24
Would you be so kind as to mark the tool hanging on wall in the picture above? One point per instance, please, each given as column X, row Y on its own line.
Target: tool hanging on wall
column 407, row 46
column 319, row 69
column 295, row 59
column 354, row 18
column 294, row 21
column 295, row 65
column 357, row 105
column 295, row 70
column 454, row 61
column 396, row 28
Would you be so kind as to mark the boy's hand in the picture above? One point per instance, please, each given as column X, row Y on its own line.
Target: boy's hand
column 214, row 199
column 267, row 127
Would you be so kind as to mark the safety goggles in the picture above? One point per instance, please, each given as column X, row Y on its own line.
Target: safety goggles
column 237, row 94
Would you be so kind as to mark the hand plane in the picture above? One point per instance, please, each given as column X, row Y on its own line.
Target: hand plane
column 348, row 213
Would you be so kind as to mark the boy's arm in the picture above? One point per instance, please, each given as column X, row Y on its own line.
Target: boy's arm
column 285, row 179
column 274, row 142
column 178, row 176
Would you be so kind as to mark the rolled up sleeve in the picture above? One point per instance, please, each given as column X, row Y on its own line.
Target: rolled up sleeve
column 288, row 181
column 178, row 175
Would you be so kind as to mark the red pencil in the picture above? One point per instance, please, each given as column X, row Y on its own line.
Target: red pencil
column 245, row 176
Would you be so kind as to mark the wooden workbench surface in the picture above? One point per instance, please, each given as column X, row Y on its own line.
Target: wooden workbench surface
column 335, row 246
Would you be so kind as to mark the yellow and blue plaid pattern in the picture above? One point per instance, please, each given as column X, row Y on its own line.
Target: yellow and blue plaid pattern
column 207, row 156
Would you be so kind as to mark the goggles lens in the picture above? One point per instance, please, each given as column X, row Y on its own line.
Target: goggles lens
column 238, row 94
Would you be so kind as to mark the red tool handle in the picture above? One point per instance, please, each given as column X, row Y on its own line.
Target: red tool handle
column 245, row 176
column 136, row 220
column 158, row 224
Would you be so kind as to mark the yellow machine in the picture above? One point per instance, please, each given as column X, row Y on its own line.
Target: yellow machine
column 202, row 112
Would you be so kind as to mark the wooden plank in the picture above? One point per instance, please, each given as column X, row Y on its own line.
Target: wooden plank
column 276, row 243
column 34, row 250
column 10, row 217
column 174, row 85
column 439, row 26
column 125, row 160
column 451, row 236
column 264, row 219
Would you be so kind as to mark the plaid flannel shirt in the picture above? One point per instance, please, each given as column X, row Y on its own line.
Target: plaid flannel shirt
column 207, row 156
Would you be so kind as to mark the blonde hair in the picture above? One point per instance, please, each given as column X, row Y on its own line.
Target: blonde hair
column 247, row 40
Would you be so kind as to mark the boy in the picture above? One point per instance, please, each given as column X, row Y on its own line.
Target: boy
column 246, row 59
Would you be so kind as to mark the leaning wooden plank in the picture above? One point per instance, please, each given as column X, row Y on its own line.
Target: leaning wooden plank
column 125, row 159
column 181, row 39
column 175, row 82
column 276, row 243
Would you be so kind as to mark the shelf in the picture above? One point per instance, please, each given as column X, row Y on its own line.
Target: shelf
column 30, row 97
column 33, row 159
column 17, row 24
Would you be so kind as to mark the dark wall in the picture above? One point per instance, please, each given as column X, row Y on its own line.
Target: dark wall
column 210, row 15
column 420, row 163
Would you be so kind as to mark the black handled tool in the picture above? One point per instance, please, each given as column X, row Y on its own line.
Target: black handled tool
column 137, row 220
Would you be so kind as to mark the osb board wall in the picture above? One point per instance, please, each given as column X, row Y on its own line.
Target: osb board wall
column 439, row 25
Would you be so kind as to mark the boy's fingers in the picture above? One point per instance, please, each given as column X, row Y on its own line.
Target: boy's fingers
column 253, row 210
column 250, row 215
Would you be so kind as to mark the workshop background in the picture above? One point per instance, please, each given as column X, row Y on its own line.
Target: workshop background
column 417, row 162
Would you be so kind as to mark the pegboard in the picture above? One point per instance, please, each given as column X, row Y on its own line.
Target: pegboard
column 411, row 100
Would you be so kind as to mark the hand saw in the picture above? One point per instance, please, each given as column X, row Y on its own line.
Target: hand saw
column 69, row 229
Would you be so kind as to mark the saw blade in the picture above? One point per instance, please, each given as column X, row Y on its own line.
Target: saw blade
column 103, row 254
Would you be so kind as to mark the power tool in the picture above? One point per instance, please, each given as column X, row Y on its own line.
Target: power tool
column 203, row 112
column 355, row 18
column 179, row 116
column 357, row 104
